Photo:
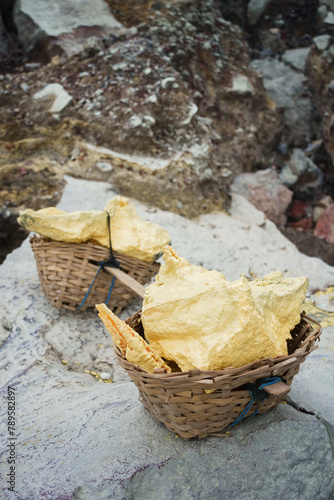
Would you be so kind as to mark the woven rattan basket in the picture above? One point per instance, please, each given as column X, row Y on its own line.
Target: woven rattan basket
column 202, row 403
column 66, row 271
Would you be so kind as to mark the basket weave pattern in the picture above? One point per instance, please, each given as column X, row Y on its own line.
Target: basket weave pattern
column 202, row 403
column 66, row 271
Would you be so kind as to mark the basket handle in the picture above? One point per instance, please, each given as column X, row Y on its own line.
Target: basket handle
column 126, row 280
column 278, row 389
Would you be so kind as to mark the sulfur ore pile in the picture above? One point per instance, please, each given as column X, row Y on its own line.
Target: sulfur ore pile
column 130, row 234
column 198, row 319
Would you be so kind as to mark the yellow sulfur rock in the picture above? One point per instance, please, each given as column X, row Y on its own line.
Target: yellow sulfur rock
column 133, row 346
column 200, row 320
column 130, row 234
column 71, row 227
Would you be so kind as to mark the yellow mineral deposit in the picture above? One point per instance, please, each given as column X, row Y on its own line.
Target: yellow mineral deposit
column 200, row 320
column 130, row 234
column 133, row 346
column 72, row 227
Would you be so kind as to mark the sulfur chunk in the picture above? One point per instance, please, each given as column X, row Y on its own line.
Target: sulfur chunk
column 71, row 227
column 133, row 346
column 131, row 234
column 200, row 320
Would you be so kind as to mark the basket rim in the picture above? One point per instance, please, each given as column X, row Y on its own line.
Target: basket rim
column 42, row 240
column 251, row 368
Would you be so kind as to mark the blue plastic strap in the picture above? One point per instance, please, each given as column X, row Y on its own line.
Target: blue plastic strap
column 89, row 289
column 110, row 290
column 243, row 413
column 257, row 390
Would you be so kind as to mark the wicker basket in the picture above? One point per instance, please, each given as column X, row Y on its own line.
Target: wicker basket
column 202, row 403
column 66, row 271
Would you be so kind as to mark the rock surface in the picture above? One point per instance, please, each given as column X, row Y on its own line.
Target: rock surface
column 121, row 452
column 286, row 87
column 296, row 58
column 266, row 192
column 78, row 438
column 64, row 24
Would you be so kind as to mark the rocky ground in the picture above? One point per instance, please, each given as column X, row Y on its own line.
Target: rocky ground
column 217, row 119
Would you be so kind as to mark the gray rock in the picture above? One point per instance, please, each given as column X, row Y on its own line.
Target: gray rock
column 296, row 57
column 40, row 20
column 300, row 173
column 286, row 87
column 322, row 41
column 255, row 9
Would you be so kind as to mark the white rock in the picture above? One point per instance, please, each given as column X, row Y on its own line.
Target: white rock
column 152, row 98
column 322, row 41
column 24, row 87
column 105, row 375
column 166, row 81
column 149, row 120
column 329, row 18
column 119, row 66
column 104, row 166
column 135, row 121
column 57, row 91
column 192, row 110
column 241, row 85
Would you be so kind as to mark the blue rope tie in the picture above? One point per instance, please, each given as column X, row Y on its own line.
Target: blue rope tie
column 257, row 394
column 91, row 286
column 112, row 262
